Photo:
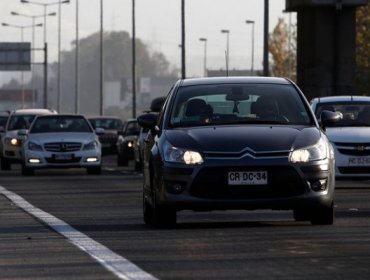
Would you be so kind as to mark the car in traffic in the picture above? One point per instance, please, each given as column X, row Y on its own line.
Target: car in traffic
column 155, row 107
column 11, row 142
column 61, row 141
column 237, row 143
column 350, row 136
column 125, row 142
column 113, row 126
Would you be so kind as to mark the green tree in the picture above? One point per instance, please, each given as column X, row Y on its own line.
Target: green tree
column 363, row 49
column 283, row 51
column 117, row 67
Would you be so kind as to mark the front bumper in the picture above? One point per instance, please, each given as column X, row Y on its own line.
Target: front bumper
column 206, row 187
column 351, row 162
column 38, row 159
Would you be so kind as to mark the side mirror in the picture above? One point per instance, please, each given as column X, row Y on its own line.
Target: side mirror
column 2, row 129
column 148, row 120
column 329, row 118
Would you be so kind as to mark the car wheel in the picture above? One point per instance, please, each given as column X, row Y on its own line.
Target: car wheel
column 163, row 217
column 5, row 164
column 26, row 171
column 94, row 170
column 323, row 215
column 147, row 211
column 138, row 166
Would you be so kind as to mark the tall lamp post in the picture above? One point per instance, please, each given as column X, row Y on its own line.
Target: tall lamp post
column 44, row 5
column 183, row 58
column 133, row 61
column 227, row 32
column 205, row 55
column 21, row 27
column 59, row 51
column 252, row 56
column 33, row 17
column 101, row 59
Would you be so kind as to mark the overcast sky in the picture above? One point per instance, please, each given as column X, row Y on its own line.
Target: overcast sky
column 158, row 25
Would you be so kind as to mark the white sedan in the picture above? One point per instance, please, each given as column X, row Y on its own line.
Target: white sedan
column 64, row 141
column 350, row 136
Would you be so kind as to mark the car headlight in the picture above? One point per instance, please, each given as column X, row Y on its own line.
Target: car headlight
column 318, row 151
column 12, row 141
column 174, row 154
column 32, row 146
column 90, row 146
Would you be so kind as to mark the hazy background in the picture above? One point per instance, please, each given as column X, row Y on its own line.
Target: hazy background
column 158, row 25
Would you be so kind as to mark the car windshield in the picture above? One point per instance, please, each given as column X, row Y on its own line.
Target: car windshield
column 238, row 104
column 60, row 124
column 353, row 113
column 112, row 124
column 17, row 122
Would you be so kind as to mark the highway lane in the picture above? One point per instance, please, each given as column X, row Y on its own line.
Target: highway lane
column 209, row 245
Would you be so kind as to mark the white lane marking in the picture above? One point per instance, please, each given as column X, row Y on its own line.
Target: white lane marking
column 115, row 263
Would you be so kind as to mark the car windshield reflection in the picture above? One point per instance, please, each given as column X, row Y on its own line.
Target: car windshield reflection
column 60, row 124
column 229, row 104
column 353, row 113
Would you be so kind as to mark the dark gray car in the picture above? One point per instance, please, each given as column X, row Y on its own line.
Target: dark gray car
column 237, row 143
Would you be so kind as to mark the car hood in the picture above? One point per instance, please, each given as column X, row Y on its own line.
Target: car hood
column 13, row 134
column 62, row 137
column 238, row 138
column 348, row 134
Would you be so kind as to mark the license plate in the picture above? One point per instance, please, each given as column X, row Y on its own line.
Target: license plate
column 63, row 156
column 359, row 161
column 247, row 178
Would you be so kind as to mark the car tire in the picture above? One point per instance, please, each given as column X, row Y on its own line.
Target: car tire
column 5, row 164
column 163, row 217
column 147, row 211
column 93, row 170
column 323, row 215
column 138, row 166
column 26, row 171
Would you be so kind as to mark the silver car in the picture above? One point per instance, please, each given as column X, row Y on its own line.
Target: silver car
column 11, row 142
column 64, row 141
column 350, row 136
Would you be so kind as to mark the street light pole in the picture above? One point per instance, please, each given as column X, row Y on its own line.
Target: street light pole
column 59, row 52
column 205, row 55
column 227, row 32
column 183, row 59
column 21, row 27
column 77, row 85
column 44, row 5
column 252, row 58
column 266, row 40
column 133, row 61
column 101, row 60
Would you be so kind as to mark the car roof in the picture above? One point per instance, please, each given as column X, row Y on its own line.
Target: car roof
column 104, row 117
column 341, row 98
column 234, row 80
column 33, row 112
column 60, row 116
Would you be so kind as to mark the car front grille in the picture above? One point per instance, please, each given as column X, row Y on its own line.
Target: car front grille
column 62, row 146
column 212, row 183
column 353, row 149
